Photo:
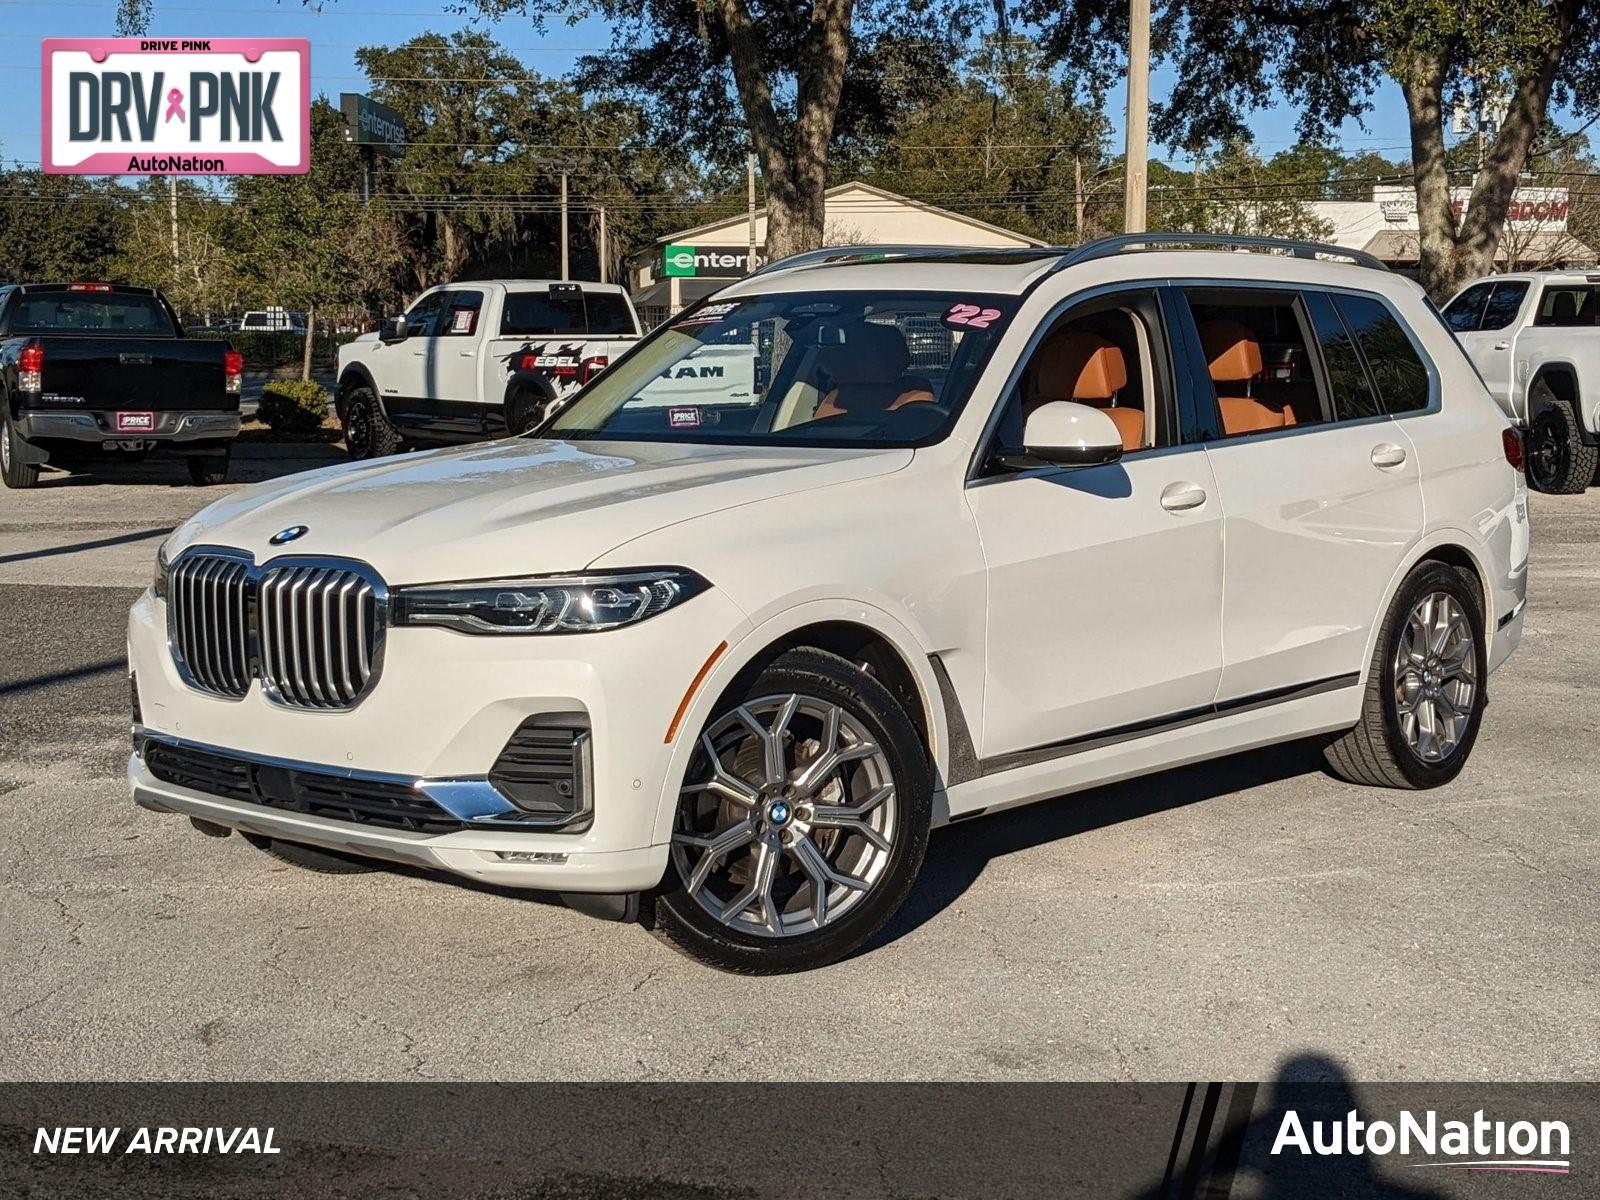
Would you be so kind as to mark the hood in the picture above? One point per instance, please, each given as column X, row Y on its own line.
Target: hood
column 514, row 507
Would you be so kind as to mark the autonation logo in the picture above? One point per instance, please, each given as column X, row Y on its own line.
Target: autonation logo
column 1478, row 1145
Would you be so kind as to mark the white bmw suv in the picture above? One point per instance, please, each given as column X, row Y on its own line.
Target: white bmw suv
column 993, row 527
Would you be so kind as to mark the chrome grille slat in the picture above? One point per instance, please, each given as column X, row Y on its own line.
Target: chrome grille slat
column 306, row 645
column 311, row 630
column 210, row 647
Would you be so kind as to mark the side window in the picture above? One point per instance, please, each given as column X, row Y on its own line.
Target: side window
column 1392, row 359
column 1566, row 305
column 461, row 311
column 1464, row 312
column 1504, row 304
column 1352, row 394
column 1257, row 347
column 1110, row 354
column 423, row 319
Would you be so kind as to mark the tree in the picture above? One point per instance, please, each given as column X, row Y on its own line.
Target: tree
column 783, row 78
column 308, row 240
column 486, row 142
column 59, row 226
column 1005, row 142
column 1233, row 191
column 1236, row 56
column 202, row 278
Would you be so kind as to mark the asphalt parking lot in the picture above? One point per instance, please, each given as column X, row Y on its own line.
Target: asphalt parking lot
column 1223, row 921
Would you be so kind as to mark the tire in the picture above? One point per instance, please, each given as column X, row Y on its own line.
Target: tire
column 751, row 907
column 1558, row 460
column 310, row 858
column 208, row 470
column 525, row 412
column 1388, row 749
column 367, row 430
column 15, row 473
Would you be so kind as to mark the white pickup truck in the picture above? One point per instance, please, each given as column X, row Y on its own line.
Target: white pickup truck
column 1535, row 339
column 478, row 360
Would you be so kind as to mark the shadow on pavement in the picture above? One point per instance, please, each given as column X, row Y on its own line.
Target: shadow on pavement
column 959, row 853
column 77, row 547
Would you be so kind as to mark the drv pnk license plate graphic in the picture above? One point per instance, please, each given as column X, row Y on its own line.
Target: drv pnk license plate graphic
column 158, row 106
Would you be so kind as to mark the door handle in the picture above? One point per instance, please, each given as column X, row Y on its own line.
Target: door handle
column 1387, row 454
column 1182, row 496
column 1502, row 345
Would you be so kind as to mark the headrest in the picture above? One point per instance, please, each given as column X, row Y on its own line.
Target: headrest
column 1080, row 366
column 870, row 353
column 1564, row 308
column 1231, row 350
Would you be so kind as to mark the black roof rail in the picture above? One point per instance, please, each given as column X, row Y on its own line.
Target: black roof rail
column 839, row 255
column 1107, row 246
column 846, row 255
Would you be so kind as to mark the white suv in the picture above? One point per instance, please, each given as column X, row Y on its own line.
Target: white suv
column 1002, row 526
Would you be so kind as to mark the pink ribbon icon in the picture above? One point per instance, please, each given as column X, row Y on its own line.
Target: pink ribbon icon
column 175, row 105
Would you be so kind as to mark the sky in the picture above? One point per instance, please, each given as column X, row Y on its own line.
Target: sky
column 341, row 26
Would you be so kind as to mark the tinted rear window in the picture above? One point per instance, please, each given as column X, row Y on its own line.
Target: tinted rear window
column 539, row 313
column 91, row 312
column 569, row 313
column 608, row 313
column 1400, row 374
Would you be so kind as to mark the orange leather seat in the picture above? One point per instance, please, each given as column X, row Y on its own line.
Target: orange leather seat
column 867, row 371
column 1234, row 356
column 1085, row 367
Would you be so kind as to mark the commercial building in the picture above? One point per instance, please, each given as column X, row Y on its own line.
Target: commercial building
column 1535, row 236
column 682, row 267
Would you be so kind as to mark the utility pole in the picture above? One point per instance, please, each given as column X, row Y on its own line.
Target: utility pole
column 1077, row 197
column 1138, row 123
column 750, row 208
column 603, row 250
column 564, row 274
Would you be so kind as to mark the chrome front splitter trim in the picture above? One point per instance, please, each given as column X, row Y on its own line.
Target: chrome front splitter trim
column 473, row 800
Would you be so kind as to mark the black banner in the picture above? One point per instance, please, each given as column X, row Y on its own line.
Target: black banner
column 711, row 1141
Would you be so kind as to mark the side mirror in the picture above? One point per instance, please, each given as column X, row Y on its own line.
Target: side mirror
column 1063, row 433
column 393, row 330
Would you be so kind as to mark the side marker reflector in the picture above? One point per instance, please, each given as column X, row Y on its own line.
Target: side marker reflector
column 694, row 686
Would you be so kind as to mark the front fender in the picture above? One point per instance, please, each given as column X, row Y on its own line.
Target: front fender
column 773, row 628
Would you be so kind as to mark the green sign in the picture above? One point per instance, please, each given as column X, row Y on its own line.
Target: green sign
column 368, row 123
column 706, row 262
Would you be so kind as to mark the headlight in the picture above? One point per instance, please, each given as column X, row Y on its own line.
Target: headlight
column 554, row 604
column 159, row 584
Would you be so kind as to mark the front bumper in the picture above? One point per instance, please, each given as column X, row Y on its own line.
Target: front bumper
column 101, row 426
column 441, row 711
column 542, row 862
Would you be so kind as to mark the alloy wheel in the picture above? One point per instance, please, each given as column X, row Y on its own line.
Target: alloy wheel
column 358, row 431
column 5, row 445
column 1435, row 677
column 789, row 818
column 1547, row 454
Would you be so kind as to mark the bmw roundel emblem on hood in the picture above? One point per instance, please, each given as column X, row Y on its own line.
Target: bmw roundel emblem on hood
column 290, row 534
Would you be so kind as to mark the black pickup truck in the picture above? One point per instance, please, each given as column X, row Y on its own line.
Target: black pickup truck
column 96, row 370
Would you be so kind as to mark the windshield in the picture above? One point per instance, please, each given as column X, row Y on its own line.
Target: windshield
column 803, row 368
column 91, row 312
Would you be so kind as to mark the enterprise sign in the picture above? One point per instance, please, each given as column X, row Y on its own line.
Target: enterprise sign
column 706, row 262
column 369, row 123
column 165, row 106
